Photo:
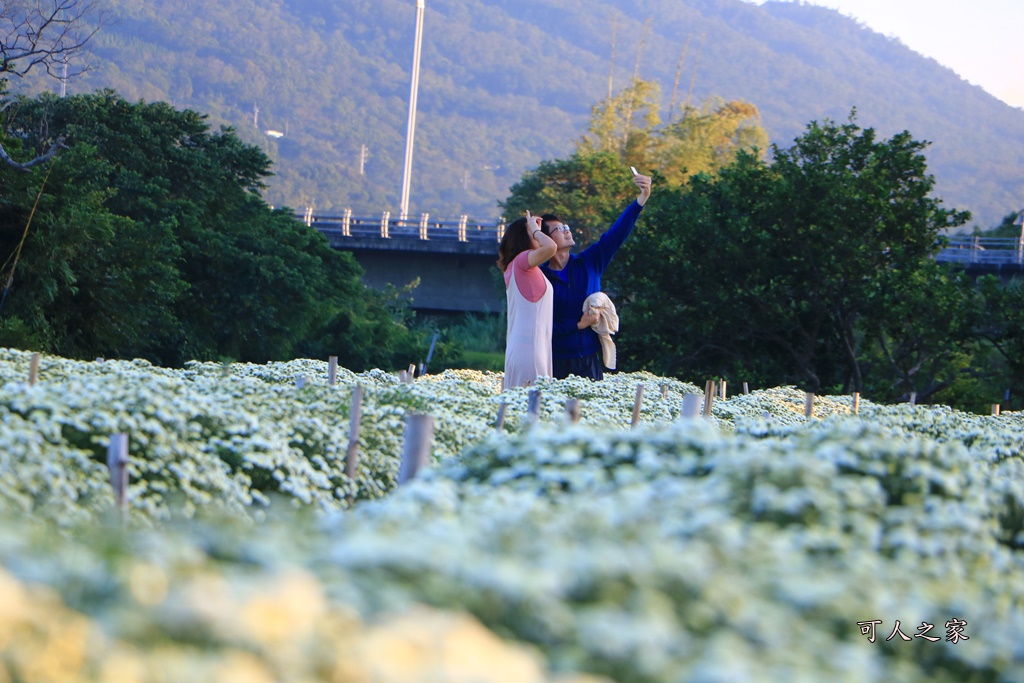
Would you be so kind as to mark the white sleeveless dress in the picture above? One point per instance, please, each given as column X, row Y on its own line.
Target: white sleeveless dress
column 528, row 335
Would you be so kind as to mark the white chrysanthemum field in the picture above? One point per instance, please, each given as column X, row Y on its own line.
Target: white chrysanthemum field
column 752, row 545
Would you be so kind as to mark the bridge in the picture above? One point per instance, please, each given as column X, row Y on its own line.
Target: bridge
column 454, row 259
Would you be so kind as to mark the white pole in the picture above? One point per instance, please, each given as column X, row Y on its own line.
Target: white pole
column 410, row 132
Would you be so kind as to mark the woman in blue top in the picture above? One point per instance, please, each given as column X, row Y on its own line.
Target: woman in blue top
column 575, row 347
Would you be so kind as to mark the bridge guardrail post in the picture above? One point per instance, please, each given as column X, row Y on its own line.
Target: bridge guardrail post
column 385, row 220
column 346, row 223
column 308, row 217
column 424, row 217
column 462, row 227
column 500, row 230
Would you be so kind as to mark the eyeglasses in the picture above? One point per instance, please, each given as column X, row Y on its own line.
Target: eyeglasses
column 561, row 228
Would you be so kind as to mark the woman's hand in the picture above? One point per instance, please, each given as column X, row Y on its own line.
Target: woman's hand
column 588, row 319
column 644, row 183
column 533, row 224
column 542, row 246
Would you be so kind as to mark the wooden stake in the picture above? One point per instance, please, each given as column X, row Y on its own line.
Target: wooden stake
column 721, row 390
column 709, row 397
column 809, row 405
column 637, row 403
column 746, row 389
column 117, row 464
column 856, row 402
column 499, row 423
column 332, row 371
column 533, row 406
column 403, row 376
column 352, row 454
column 913, row 398
column 664, row 391
column 572, row 410
column 412, row 371
column 33, row 370
column 995, row 409
column 691, row 406
column 419, row 436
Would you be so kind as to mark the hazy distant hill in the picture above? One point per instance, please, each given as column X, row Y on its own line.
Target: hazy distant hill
column 507, row 83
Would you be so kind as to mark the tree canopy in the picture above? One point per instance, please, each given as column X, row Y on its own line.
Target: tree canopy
column 792, row 271
column 147, row 238
column 590, row 188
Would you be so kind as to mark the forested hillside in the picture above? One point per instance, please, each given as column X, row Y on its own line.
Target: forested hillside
column 506, row 84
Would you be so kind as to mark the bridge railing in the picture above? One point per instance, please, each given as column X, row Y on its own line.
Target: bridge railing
column 423, row 227
column 970, row 249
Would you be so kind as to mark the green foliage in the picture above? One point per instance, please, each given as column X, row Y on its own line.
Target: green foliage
column 925, row 342
column 1000, row 323
column 479, row 332
column 150, row 240
column 473, row 341
column 381, row 330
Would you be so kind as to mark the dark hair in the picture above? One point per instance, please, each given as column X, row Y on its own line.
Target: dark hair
column 514, row 242
column 548, row 218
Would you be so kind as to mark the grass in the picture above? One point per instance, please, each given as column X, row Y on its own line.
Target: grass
column 484, row 360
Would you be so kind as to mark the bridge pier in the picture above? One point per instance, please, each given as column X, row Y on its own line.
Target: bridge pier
column 448, row 282
column 456, row 274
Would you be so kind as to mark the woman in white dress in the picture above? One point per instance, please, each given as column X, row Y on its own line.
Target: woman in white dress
column 524, row 247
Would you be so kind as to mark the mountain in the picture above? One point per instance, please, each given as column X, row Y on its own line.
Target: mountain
column 505, row 84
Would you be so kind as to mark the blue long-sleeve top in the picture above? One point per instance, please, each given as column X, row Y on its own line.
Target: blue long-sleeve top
column 580, row 278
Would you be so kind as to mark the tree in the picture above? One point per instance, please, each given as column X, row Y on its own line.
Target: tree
column 1000, row 324
column 590, row 188
column 707, row 138
column 773, row 271
column 925, row 343
column 81, row 280
column 587, row 190
column 150, row 239
column 614, row 122
column 44, row 34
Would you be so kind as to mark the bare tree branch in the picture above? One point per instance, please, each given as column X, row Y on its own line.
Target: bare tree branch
column 57, row 145
column 46, row 34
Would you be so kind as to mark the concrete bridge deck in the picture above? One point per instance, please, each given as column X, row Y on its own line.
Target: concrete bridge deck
column 454, row 260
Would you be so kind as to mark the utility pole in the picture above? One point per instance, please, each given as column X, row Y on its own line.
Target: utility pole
column 1019, row 220
column 64, row 78
column 413, row 91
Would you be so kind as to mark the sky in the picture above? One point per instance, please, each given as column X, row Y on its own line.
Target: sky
column 981, row 40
